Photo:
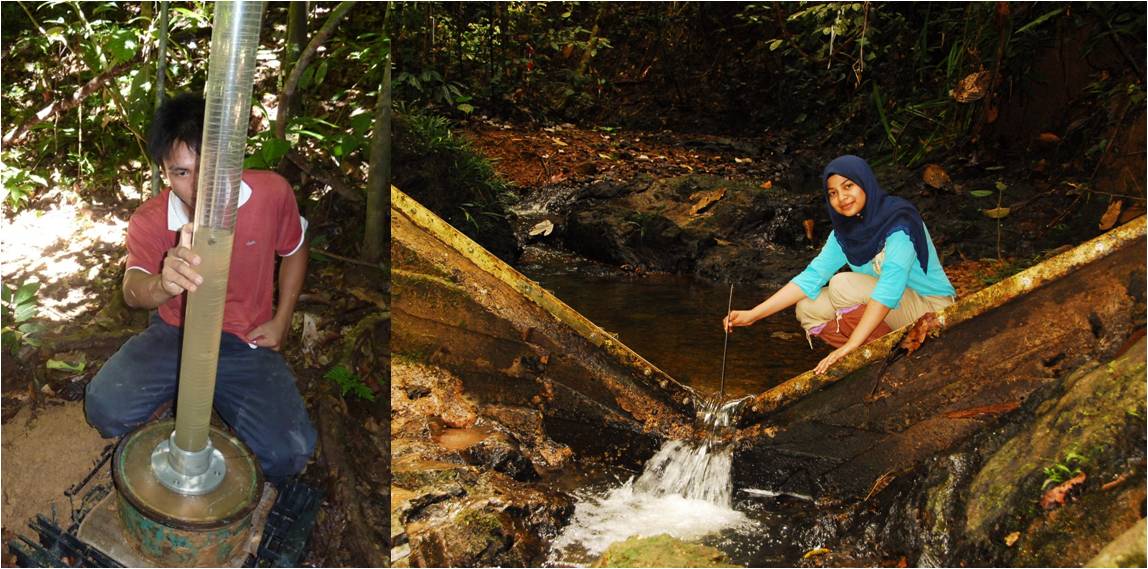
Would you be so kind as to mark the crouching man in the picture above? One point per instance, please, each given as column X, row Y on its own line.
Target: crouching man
column 255, row 391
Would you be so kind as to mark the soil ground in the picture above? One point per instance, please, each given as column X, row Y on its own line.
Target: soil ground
column 45, row 452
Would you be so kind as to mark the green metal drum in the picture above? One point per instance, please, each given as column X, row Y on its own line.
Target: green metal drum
column 178, row 530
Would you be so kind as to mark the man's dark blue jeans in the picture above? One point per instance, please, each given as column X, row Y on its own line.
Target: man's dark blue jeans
column 255, row 394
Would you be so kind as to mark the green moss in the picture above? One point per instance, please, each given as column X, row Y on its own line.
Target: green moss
column 1087, row 419
column 661, row 551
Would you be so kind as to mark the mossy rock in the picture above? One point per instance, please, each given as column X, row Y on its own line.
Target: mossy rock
column 661, row 551
column 1088, row 419
column 1128, row 550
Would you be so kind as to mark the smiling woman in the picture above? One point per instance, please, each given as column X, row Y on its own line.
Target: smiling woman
column 896, row 276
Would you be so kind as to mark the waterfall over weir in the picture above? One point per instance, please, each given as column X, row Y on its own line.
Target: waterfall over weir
column 685, row 490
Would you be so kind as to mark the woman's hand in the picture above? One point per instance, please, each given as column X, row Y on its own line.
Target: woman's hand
column 832, row 358
column 737, row 318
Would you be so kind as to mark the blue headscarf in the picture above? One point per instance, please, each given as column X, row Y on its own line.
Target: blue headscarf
column 863, row 236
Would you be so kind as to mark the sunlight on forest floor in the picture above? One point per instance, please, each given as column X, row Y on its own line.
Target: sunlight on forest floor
column 64, row 248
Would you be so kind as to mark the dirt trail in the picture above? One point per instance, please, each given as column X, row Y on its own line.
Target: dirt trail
column 44, row 455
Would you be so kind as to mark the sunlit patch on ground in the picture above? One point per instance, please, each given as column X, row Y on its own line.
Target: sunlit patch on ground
column 64, row 247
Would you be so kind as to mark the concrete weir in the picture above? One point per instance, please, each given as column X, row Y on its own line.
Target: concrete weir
column 881, row 411
column 511, row 342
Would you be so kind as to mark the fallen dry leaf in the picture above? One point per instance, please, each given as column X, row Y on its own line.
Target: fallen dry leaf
column 1056, row 495
column 922, row 328
column 815, row 552
column 882, row 481
column 705, row 199
column 766, row 185
column 1011, row 538
column 543, row 228
column 1111, row 215
column 1132, row 212
column 972, row 88
column 995, row 409
column 935, row 176
column 996, row 212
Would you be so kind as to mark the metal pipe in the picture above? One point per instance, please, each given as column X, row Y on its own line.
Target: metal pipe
column 725, row 346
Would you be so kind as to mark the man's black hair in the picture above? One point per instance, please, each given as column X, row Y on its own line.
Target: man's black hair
column 179, row 119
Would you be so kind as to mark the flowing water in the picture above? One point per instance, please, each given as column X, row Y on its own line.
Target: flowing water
column 675, row 323
column 685, row 490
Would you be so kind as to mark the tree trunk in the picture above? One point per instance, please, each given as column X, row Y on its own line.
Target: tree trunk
column 584, row 62
column 379, row 178
column 292, row 83
column 160, row 80
column 297, row 14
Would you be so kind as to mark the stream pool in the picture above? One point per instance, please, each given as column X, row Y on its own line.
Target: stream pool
column 675, row 323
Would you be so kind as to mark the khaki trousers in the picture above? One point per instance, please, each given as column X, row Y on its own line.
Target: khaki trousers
column 848, row 290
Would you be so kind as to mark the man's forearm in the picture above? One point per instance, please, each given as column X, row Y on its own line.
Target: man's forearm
column 142, row 290
column 292, row 270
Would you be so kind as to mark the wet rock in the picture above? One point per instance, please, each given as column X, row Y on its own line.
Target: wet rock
column 488, row 520
column 527, row 424
column 978, row 504
column 1087, row 420
column 421, row 391
column 767, row 265
column 606, row 189
column 623, row 236
column 661, row 551
column 1128, row 550
column 675, row 224
column 501, row 452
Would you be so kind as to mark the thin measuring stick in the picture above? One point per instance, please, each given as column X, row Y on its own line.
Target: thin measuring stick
column 725, row 346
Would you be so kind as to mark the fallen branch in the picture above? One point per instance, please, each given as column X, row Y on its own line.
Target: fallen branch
column 371, row 296
column 57, row 107
column 378, row 265
column 323, row 175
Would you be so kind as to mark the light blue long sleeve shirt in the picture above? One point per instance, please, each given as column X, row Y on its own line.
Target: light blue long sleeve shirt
column 898, row 270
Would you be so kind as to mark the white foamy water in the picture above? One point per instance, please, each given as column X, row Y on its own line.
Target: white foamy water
column 625, row 512
column 693, row 471
column 685, row 491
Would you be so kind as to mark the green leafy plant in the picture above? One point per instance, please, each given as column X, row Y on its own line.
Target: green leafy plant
column 349, row 383
column 18, row 310
column 19, row 185
column 1063, row 470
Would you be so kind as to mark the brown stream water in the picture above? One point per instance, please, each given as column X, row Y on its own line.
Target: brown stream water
column 675, row 323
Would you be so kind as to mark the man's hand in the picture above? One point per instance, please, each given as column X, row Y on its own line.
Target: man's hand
column 269, row 334
column 178, row 274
